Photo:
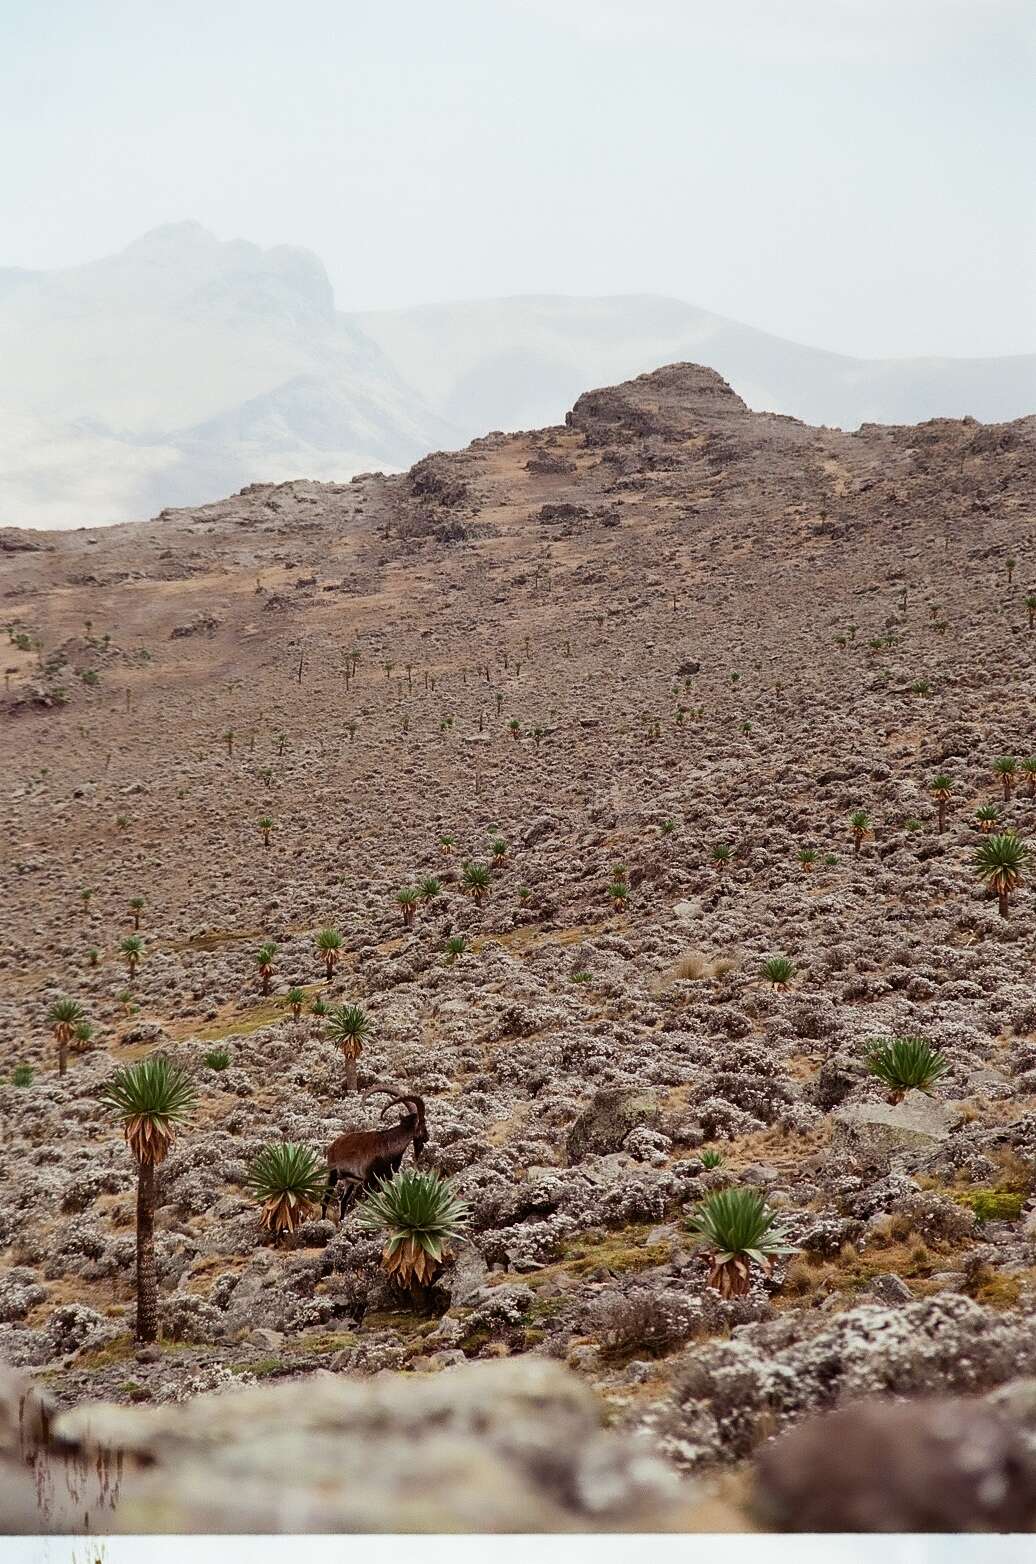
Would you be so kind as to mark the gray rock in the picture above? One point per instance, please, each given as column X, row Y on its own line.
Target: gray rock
column 270, row 1340
column 468, row 1275
column 507, row 1445
column 880, row 1133
column 603, row 1126
column 889, row 1289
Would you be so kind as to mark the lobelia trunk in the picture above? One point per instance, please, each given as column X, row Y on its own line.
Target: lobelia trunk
column 1002, row 902
column 62, row 1058
column 350, row 1073
column 147, row 1277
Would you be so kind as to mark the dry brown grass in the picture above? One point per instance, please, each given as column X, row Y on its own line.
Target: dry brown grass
column 694, row 966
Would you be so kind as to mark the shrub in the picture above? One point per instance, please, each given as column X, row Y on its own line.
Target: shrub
column 779, row 971
column 906, row 1063
column 737, row 1227
column 217, row 1058
column 420, row 1215
column 289, row 1180
column 21, row 1075
column 640, row 1324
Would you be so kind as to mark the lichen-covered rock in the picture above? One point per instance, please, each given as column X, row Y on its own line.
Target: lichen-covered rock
column 728, row 1394
column 878, row 1133
column 490, row 1447
column 607, row 1120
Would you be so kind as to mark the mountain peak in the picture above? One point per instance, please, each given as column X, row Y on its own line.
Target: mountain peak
column 188, row 234
column 670, row 400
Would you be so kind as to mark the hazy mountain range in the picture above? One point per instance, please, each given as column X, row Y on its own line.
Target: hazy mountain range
column 184, row 367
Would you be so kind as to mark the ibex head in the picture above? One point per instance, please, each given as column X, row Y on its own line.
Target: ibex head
column 414, row 1115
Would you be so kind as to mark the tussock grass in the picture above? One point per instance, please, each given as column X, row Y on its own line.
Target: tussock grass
column 694, row 966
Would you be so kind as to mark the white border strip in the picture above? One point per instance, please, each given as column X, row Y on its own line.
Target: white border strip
column 597, row 1549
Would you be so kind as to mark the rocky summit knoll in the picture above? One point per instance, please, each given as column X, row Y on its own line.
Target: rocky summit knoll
column 730, row 710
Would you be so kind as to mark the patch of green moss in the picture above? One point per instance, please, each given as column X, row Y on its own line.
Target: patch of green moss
column 475, row 1340
column 616, row 1254
column 331, row 1341
column 263, row 1369
column 121, row 1350
column 622, row 1250
column 217, row 937
column 118, row 1351
column 545, row 1308
column 245, row 1022
column 405, row 1322
column 998, row 1205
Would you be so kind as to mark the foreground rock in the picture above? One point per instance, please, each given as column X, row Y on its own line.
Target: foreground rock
column 933, row 1466
column 505, row 1446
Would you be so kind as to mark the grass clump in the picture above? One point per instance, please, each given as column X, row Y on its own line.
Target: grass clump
column 778, row 971
column 217, row 1059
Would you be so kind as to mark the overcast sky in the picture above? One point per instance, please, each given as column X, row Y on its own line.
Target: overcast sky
column 855, row 174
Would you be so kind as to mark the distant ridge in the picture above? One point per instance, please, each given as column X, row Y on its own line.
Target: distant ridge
column 184, row 367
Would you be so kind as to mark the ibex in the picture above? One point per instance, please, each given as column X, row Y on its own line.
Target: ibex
column 359, row 1158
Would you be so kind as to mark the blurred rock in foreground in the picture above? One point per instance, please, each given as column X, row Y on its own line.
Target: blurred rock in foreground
column 501, row 1446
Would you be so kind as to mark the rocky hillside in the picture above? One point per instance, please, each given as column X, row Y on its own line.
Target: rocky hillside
column 183, row 367
column 669, row 647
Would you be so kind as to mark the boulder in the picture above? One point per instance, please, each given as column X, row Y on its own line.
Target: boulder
column 881, row 1133
column 604, row 1124
column 498, row 1446
column 929, row 1466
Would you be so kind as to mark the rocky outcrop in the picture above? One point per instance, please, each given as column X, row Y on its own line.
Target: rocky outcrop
column 671, row 403
column 731, row 1394
column 494, row 1447
column 879, row 1134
